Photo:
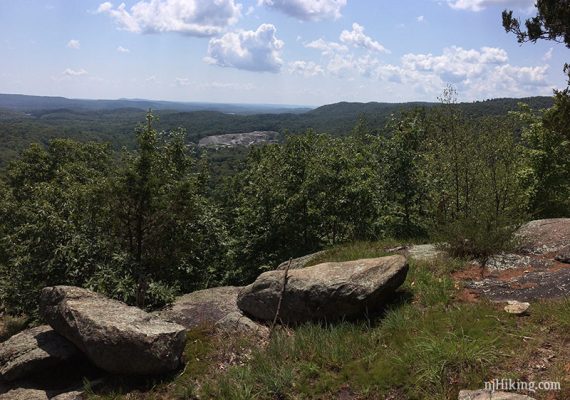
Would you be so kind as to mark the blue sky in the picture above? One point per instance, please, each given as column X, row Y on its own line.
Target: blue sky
column 307, row 52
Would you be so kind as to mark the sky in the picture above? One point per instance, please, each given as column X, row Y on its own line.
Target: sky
column 298, row 52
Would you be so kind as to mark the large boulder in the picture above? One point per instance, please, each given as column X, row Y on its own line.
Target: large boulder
column 34, row 351
column 326, row 291
column 215, row 307
column 115, row 337
column 544, row 236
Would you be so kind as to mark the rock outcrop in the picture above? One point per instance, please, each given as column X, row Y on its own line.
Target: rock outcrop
column 212, row 307
column 115, row 337
column 326, row 291
column 33, row 351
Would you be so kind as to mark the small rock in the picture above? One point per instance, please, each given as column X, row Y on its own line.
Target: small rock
column 489, row 395
column 24, row 394
column 326, row 291
column 34, row 350
column 516, row 307
column 115, row 337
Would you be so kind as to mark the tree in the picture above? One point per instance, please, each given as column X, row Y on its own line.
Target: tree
column 168, row 234
column 52, row 211
column 139, row 229
column 551, row 23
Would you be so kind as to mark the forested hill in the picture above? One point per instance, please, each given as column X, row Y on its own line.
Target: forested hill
column 19, row 127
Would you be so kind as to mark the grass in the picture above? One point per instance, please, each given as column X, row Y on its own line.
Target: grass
column 10, row 325
column 426, row 344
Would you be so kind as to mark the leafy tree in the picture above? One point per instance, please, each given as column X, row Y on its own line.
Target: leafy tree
column 168, row 232
column 403, row 175
column 552, row 22
column 52, row 212
column 139, row 229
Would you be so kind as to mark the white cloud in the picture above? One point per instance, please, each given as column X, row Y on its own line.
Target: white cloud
column 249, row 50
column 548, row 55
column 190, row 17
column 456, row 64
column 122, row 49
column 478, row 5
column 74, row 44
column 305, row 68
column 308, row 10
column 74, row 72
column 357, row 38
column 327, row 48
column 477, row 73
column 420, row 18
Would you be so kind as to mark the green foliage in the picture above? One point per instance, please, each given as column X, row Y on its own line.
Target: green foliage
column 473, row 170
column 546, row 170
column 311, row 191
column 139, row 229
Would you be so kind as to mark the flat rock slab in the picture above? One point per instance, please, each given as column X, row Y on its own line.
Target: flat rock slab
column 327, row 291
column 34, row 350
column 544, row 236
column 488, row 395
column 300, row 262
column 212, row 307
column 115, row 337
column 531, row 286
column 424, row 252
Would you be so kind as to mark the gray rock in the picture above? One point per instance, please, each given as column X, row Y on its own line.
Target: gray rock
column 424, row 252
column 326, row 291
column 300, row 262
column 24, row 394
column 34, row 350
column 488, row 395
column 544, row 236
column 212, row 307
column 115, row 337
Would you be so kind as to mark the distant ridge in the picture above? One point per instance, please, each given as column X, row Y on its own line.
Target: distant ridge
column 28, row 103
